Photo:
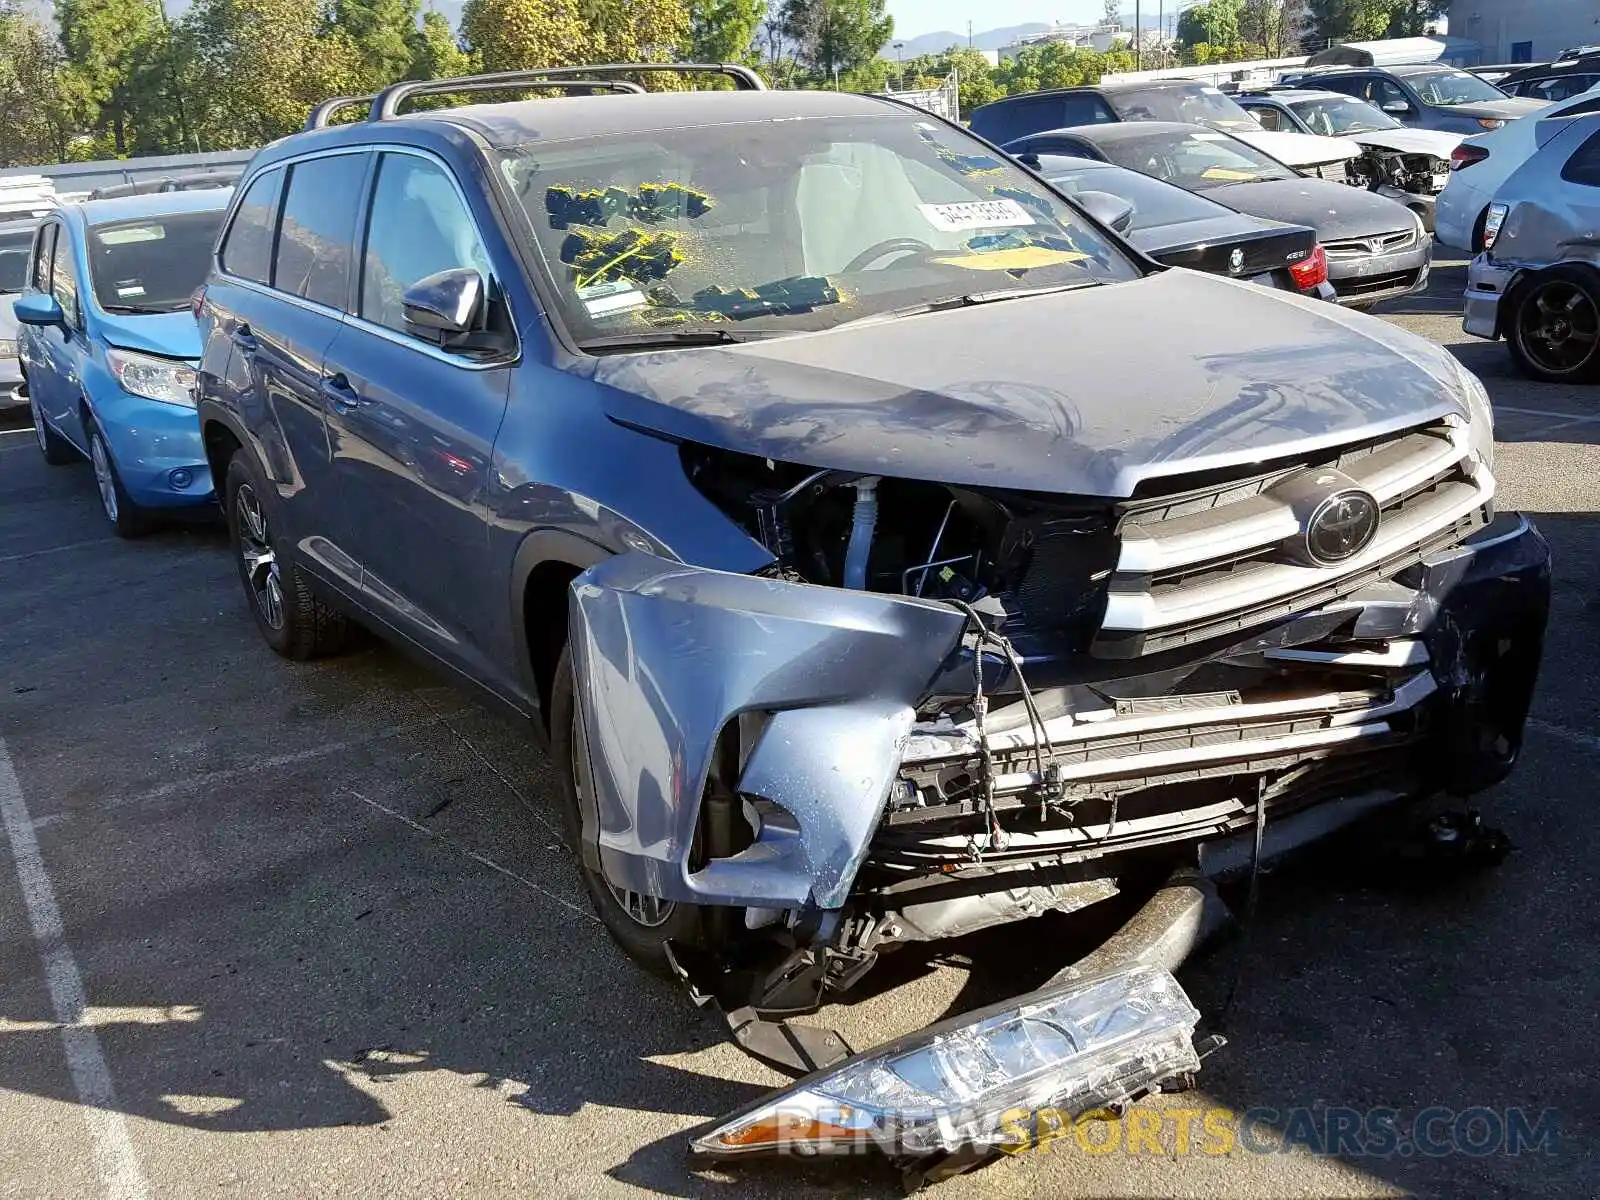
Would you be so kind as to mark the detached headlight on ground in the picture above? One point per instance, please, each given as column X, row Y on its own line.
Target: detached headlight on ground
column 978, row 1081
column 153, row 378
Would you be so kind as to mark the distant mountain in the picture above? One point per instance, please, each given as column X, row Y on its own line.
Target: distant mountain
column 989, row 39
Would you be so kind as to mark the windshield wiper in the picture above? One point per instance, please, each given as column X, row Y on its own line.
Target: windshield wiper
column 666, row 339
column 137, row 309
column 970, row 299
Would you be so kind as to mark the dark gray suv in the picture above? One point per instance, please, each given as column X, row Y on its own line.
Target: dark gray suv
column 886, row 549
column 1424, row 95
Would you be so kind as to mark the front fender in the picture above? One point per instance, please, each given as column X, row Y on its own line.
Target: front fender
column 665, row 655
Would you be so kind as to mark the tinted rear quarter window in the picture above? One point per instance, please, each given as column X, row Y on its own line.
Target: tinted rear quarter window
column 1035, row 114
column 247, row 250
column 1584, row 165
column 318, row 227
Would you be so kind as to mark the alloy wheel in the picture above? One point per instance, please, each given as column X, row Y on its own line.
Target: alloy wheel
column 645, row 911
column 103, row 477
column 258, row 557
column 1559, row 326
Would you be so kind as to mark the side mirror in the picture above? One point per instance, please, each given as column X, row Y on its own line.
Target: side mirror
column 1109, row 210
column 1397, row 107
column 39, row 308
column 446, row 304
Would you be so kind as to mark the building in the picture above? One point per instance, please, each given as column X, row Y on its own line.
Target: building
column 1080, row 37
column 1525, row 30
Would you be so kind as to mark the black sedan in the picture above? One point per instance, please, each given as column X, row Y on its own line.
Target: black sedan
column 1376, row 247
column 1183, row 229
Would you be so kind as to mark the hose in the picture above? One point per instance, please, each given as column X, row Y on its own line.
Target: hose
column 863, row 525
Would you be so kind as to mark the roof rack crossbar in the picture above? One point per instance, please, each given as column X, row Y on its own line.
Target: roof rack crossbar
column 386, row 103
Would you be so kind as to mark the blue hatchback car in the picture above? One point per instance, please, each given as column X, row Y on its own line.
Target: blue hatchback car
column 108, row 345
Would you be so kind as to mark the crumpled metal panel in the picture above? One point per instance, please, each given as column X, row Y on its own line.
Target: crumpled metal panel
column 664, row 655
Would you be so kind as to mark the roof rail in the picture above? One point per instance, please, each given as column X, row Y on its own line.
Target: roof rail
column 323, row 113
column 386, row 104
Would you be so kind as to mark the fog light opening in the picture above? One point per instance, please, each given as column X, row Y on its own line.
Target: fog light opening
column 180, row 479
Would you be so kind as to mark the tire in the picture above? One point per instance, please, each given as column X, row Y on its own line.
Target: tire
column 1552, row 326
column 644, row 942
column 126, row 517
column 57, row 451
column 291, row 618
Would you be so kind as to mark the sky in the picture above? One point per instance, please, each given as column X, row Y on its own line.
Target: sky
column 914, row 17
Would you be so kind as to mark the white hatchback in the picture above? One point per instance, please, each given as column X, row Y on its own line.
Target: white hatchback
column 1482, row 163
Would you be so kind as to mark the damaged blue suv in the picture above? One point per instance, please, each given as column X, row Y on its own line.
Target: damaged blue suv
column 887, row 549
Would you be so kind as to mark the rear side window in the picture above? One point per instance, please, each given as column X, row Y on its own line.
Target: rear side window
column 419, row 227
column 1035, row 114
column 1584, row 166
column 319, row 224
column 247, row 250
column 14, row 251
column 1084, row 109
column 41, row 257
column 1350, row 85
column 1270, row 118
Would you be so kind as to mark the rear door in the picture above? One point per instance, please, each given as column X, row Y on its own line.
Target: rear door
column 413, row 425
column 279, row 300
column 1581, row 193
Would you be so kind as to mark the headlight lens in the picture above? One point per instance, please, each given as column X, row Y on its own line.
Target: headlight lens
column 983, row 1082
column 153, row 378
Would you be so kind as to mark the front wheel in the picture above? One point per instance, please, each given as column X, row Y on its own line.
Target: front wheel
column 126, row 517
column 1554, row 326
column 641, row 924
column 290, row 617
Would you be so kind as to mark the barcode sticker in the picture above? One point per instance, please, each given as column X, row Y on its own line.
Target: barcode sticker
column 979, row 214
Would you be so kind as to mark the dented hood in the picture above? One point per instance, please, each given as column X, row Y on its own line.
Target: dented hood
column 1084, row 392
column 1410, row 141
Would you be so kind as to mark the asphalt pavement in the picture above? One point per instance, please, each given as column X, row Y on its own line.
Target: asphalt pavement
column 308, row 930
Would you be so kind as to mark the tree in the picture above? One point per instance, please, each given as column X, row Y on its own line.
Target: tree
column 1215, row 23
column 508, row 34
column 257, row 67
column 436, row 52
column 1113, row 12
column 36, row 128
column 115, row 55
column 832, row 38
column 380, row 34
column 1273, row 24
column 1333, row 21
column 722, row 30
column 1412, row 18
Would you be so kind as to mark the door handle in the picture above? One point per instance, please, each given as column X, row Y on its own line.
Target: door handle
column 338, row 392
column 243, row 338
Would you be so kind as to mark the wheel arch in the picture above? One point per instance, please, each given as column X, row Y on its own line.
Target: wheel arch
column 547, row 562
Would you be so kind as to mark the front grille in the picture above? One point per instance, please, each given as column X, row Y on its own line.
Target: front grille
column 1372, row 285
column 1217, row 559
column 1348, row 249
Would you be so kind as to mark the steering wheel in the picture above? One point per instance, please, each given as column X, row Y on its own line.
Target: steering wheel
column 888, row 246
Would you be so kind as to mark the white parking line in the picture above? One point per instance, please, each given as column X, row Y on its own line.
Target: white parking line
column 121, row 1177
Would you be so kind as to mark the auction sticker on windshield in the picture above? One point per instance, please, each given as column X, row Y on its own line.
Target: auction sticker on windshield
column 978, row 214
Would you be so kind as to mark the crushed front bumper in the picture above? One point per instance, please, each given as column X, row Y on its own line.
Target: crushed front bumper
column 666, row 656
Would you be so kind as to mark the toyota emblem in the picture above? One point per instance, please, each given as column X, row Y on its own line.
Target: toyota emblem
column 1236, row 260
column 1341, row 526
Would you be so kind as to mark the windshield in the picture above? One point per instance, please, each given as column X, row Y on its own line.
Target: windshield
column 1332, row 116
column 1195, row 104
column 1445, row 88
column 153, row 264
column 1154, row 203
column 790, row 225
column 1196, row 161
column 14, row 249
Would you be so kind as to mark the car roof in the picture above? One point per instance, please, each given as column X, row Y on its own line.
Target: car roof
column 1105, row 85
column 1404, row 69
column 1125, row 131
column 1288, row 95
column 153, row 204
column 520, row 121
